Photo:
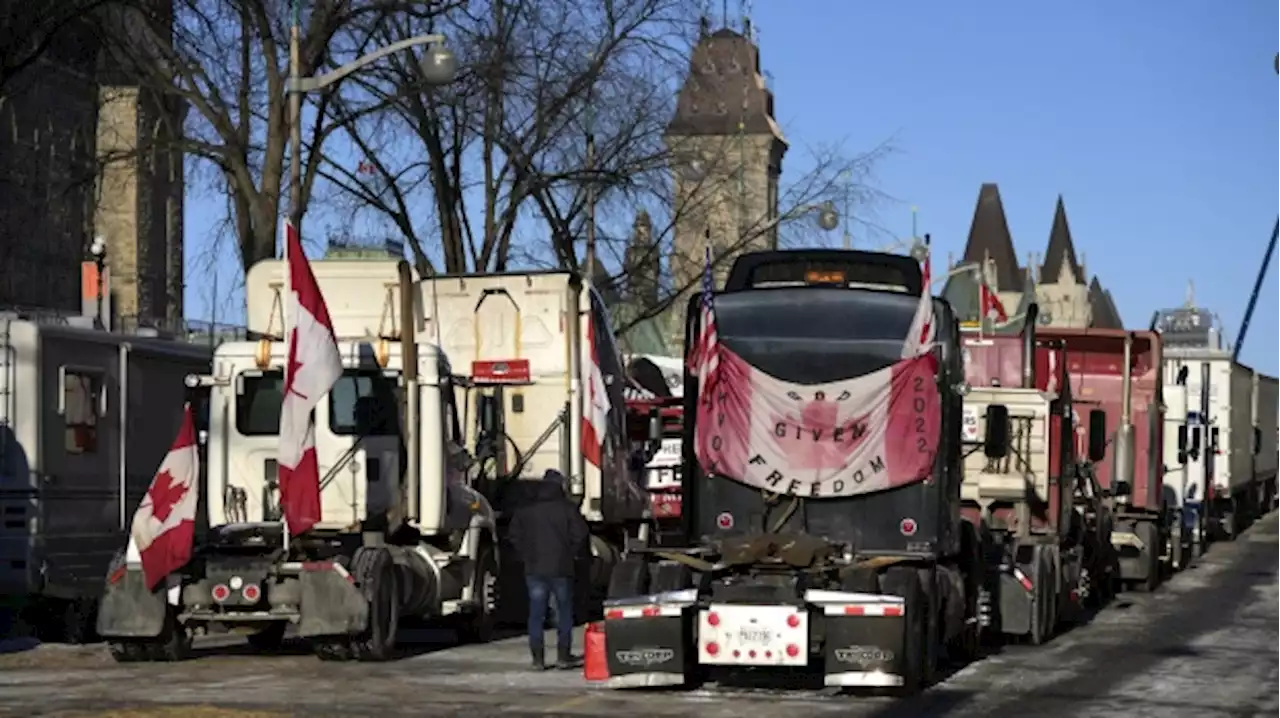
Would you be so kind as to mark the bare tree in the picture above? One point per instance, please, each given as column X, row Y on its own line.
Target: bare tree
column 32, row 29
column 505, row 143
column 227, row 62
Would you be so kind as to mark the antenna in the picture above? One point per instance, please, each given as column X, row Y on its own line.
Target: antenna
column 1191, row 295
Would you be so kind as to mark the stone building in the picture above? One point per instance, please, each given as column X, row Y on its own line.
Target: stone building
column 726, row 154
column 85, row 151
column 1060, row 283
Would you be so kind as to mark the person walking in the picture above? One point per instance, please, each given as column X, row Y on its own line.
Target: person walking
column 548, row 534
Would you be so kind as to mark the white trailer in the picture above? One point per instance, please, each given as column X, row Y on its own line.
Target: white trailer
column 530, row 331
column 402, row 531
column 85, row 418
column 1236, row 407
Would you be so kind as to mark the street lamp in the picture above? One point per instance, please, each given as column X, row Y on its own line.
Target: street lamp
column 98, row 250
column 439, row 67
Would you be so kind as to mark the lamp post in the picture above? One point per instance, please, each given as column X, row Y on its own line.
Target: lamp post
column 98, row 250
column 439, row 67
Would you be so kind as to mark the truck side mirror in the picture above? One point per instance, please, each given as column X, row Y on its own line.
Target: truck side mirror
column 996, row 441
column 1182, row 376
column 1182, row 444
column 1257, row 440
column 1097, row 435
column 1194, row 450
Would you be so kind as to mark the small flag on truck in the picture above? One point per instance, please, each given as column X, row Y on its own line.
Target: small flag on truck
column 313, row 367
column 164, row 526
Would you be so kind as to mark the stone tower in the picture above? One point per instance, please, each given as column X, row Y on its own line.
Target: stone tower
column 990, row 246
column 726, row 154
column 1063, row 289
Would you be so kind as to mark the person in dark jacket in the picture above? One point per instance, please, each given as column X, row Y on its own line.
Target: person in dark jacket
column 548, row 533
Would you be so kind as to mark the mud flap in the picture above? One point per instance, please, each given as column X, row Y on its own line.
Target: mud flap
column 331, row 605
column 865, row 651
column 649, row 645
column 129, row 609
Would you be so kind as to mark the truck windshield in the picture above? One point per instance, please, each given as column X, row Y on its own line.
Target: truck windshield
column 810, row 336
column 361, row 403
column 365, row 403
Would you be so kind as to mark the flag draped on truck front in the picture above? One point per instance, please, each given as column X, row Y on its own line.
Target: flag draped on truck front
column 841, row 438
column 595, row 409
column 313, row 367
column 164, row 526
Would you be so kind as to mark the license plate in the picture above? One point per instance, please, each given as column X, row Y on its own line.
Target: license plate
column 755, row 635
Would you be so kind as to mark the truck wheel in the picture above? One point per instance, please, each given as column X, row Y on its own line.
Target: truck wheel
column 173, row 644
column 128, row 651
column 375, row 574
column 268, row 639
column 629, row 578
column 1044, row 615
column 904, row 581
column 477, row 627
column 1149, row 532
column 332, row 649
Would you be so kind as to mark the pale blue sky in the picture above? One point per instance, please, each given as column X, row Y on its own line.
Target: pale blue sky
column 1155, row 119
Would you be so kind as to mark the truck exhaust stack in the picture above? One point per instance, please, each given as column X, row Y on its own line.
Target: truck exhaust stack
column 1029, row 346
column 1123, row 473
column 409, row 359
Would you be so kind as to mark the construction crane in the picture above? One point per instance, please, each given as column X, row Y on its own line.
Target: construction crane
column 1257, row 283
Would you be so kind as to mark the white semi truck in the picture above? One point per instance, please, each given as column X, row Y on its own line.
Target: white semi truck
column 531, row 344
column 84, row 415
column 1226, row 432
column 402, row 533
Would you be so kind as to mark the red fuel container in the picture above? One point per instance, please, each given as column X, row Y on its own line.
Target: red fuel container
column 595, row 665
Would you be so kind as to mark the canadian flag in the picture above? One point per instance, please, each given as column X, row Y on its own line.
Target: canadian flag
column 595, row 409
column 991, row 307
column 314, row 366
column 164, row 526
column 922, row 332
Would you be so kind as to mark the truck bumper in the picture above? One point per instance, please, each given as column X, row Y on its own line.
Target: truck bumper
column 659, row 640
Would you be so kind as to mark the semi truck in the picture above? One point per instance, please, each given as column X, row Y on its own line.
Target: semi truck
column 1047, row 521
column 542, row 345
column 1120, row 372
column 404, row 532
column 83, row 418
column 859, row 590
column 1228, row 436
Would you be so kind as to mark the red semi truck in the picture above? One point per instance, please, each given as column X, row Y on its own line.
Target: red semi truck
column 1119, row 372
column 1027, row 486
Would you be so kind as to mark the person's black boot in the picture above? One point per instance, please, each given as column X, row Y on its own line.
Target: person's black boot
column 565, row 660
column 539, row 662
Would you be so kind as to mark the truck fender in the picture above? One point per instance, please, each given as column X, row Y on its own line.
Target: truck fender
column 129, row 609
column 479, row 530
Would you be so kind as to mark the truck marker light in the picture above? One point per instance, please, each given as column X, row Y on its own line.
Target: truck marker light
column 713, row 649
column 907, row 527
column 251, row 593
column 650, row 611
column 1022, row 579
column 725, row 521
column 613, row 614
column 737, row 653
column 854, row 611
column 892, row 611
column 768, row 654
column 713, row 619
column 221, row 592
column 116, row 576
column 793, row 621
column 751, row 653
column 793, row 650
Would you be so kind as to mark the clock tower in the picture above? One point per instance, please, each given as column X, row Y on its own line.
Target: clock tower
column 726, row 155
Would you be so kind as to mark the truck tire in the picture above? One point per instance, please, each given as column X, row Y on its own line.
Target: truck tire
column 1045, row 616
column 669, row 576
column 128, row 651
column 904, row 581
column 477, row 626
column 375, row 574
column 629, row 578
column 173, row 644
column 268, row 639
column 1149, row 533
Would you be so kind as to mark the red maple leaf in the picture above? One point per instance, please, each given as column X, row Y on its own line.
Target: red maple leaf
column 294, row 366
column 165, row 493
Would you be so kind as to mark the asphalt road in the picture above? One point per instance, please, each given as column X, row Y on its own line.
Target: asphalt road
column 1204, row 645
